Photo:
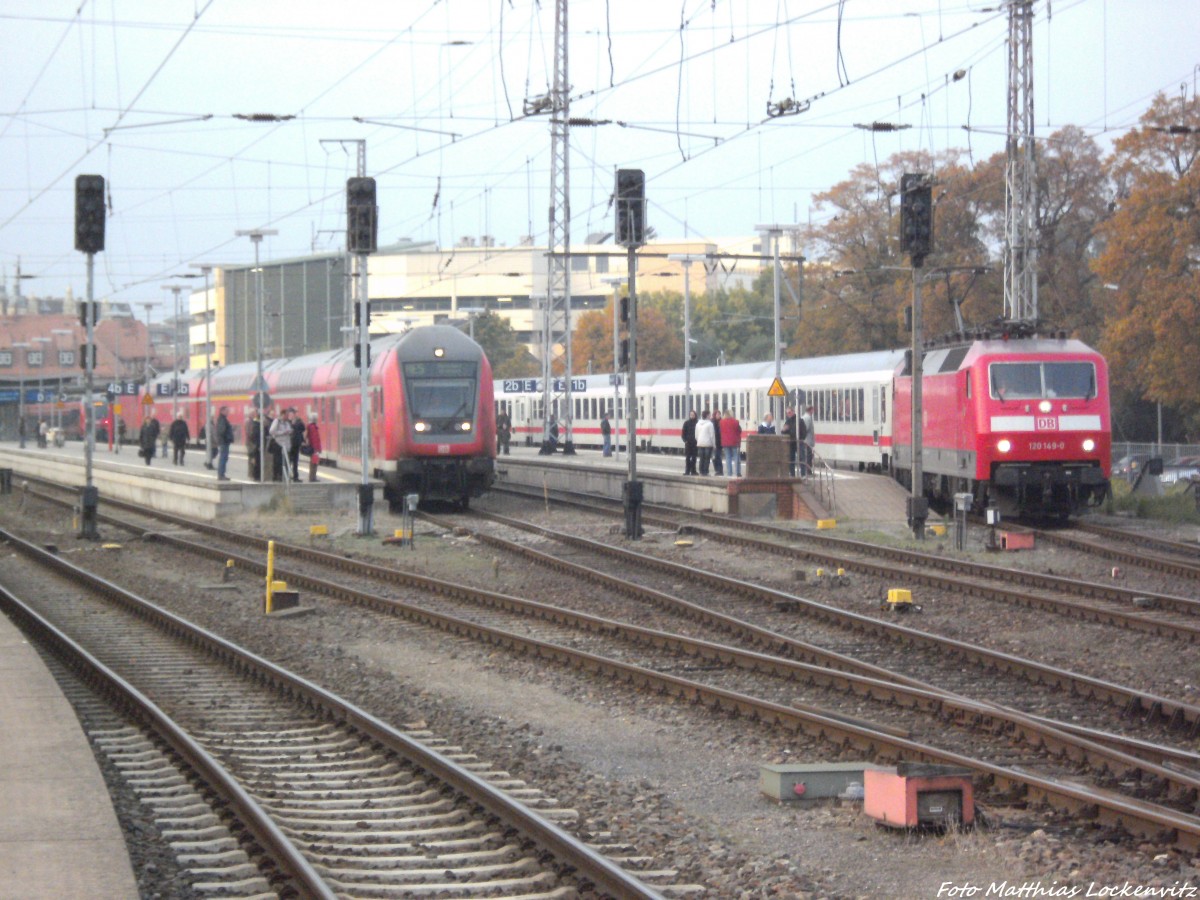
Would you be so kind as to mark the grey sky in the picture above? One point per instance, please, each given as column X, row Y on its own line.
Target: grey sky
column 147, row 93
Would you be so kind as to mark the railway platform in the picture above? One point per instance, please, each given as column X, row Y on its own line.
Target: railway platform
column 855, row 496
column 189, row 489
column 59, row 836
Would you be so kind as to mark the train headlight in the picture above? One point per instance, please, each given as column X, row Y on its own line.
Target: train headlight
column 1045, row 406
column 465, row 426
column 420, row 426
column 1004, row 445
column 1089, row 445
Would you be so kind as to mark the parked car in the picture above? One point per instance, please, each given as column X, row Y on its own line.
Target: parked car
column 1182, row 468
column 1128, row 467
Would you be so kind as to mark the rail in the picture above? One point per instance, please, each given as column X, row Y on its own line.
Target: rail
column 821, row 480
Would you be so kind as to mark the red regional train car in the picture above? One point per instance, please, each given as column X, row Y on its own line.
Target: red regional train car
column 1023, row 422
column 430, row 403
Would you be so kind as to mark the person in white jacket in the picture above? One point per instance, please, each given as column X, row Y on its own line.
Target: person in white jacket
column 706, row 439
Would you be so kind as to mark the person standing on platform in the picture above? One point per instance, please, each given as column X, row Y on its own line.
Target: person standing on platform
column 180, row 434
column 731, row 444
column 312, row 438
column 280, row 436
column 807, row 440
column 767, row 426
column 606, row 433
column 690, row 451
column 254, row 439
column 148, row 438
column 718, row 468
column 43, row 431
column 224, row 437
column 120, row 434
column 298, row 433
column 503, row 431
column 705, row 441
column 790, row 427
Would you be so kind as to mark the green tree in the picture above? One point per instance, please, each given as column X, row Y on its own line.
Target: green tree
column 508, row 356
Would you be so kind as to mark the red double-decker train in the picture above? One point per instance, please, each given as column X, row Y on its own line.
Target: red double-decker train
column 429, row 402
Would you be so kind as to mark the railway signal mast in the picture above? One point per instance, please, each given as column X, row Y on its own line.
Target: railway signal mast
column 362, row 239
column 630, row 202
column 916, row 239
column 1020, row 174
column 89, row 238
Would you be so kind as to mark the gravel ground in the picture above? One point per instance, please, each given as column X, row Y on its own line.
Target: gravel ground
column 679, row 783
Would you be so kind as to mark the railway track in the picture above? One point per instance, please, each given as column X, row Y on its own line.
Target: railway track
column 338, row 803
column 1146, row 611
column 1128, row 810
column 1132, row 548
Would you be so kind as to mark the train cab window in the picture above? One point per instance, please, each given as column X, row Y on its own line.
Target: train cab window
column 1070, row 379
column 1037, row 380
column 442, row 395
column 1017, row 381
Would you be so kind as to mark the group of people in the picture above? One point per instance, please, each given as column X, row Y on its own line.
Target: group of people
column 287, row 437
column 713, row 439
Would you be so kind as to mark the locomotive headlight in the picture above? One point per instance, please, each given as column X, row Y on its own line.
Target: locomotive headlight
column 1045, row 406
column 465, row 426
column 1004, row 445
column 1089, row 445
column 420, row 426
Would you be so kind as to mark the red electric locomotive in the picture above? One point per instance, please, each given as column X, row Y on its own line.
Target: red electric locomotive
column 1022, row 422
column 429, row 395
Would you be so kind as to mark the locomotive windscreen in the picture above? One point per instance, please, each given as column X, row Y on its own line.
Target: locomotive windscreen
column 1035, row 380
column 441, row 393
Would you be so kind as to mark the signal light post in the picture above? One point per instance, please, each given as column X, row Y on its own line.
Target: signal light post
column 916, row 239
column 89, row 239
column 631, row 233
column 362, row 234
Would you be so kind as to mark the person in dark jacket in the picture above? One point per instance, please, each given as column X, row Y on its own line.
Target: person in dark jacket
column 793, row 436
column 503, row 431
column 224, row 437
column 606, row 433
column 254, row 439
column 148, row 438
column 298, row 431
column 180, row 435
column 690, row 449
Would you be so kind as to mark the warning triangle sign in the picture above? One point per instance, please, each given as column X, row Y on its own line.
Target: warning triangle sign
column 777, row 389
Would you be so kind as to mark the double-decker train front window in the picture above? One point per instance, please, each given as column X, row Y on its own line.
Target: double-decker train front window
column 1038, row 380
column 441, row 396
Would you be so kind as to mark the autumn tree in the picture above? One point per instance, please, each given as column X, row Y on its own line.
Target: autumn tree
column 1072, row 202
column 857, row 283
column 660, row 336
column 1151, row 256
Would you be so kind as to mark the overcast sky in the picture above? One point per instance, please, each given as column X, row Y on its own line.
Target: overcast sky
column 148, row 93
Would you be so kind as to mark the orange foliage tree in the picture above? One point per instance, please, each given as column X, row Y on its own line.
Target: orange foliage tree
column 1151, row 257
